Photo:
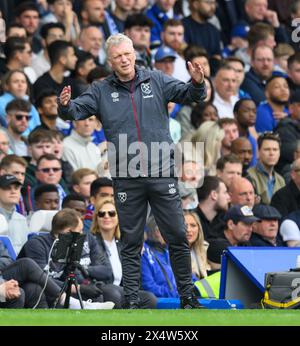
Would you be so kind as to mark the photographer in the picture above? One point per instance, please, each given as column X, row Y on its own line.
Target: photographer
column 22, row 283
column 38, row 248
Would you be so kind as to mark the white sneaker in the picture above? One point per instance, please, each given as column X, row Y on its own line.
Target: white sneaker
column 89, row 305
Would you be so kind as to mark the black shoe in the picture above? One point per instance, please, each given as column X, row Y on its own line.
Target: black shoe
column 190, row 303
column 131, row 305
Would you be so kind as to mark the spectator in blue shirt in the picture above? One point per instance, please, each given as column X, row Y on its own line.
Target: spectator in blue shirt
column 270, row 112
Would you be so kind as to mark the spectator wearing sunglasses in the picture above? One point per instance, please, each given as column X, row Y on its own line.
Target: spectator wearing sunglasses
column 49, row 171
column 18, row 117
column 105, row 227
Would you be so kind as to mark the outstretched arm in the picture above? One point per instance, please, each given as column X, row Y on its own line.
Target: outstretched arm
column 82, row 107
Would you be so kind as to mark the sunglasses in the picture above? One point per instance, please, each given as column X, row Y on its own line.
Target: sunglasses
column 47, row 170
column 110, row 213
column 19, row 117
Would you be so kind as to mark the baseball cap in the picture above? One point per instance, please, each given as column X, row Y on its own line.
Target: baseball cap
column 240, row 30
column 240, row 213
column 266, row 212
column 8, row 179
column 164, row 52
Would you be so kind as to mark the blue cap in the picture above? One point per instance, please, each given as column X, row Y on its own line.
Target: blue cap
column 240, row 213
column 164, row 52
column 240, row 30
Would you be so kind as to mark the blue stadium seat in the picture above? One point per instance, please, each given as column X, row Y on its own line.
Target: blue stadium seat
column 8, row 245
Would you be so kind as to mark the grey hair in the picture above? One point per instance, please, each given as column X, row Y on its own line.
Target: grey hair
column 117, row 39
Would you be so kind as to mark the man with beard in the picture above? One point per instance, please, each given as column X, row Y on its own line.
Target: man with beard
column 245, row 114
column 263, row 176
column 262, row 65
column 18, row 116
column 198, row 31
column 213, row 199
column 48, row 109
column 269, row 113
column 241, row 147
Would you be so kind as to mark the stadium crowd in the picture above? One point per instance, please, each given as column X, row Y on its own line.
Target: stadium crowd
column 54, row 174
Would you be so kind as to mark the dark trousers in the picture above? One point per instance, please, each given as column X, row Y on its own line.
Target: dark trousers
column 114, row 293
column 132, row 197
column 31, row 279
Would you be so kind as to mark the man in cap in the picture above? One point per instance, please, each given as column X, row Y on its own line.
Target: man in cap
column 239, row 222
column 10, row 192
column 164, row 60
column 238, row 40
column 265, row 231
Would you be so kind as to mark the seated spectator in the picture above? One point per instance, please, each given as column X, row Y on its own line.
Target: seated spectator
column 241, row 192
column 172, row 36
column 39, row 143
column 225, row 91
column 84, row 64
column 159, row 13
column 165, row 60
column 212, row 135
column 65, row 15
column 48, row 109
column 282, row 52
column 49, row 32
column 262, row 65
column 241, row 147
column 105, row 228
column 10, row 193
column 15, row 85
column 81, row 182
column 293, row 68
column 238, row 40
column 229, row 167
column 100, row 188
column 287, row 199
column 263, row 176
column 156, row 271
column 290, row 229
column 58, row 149
column 75, row 202
column 231, row 133
column 245, row 115
column 62, row 58
column 265, row 231
column 274, row 109
column 46, row 197
column 18, row 118
column 213, row 198
column 49, row 171
column 239, row 68
column 197, row 244
column 15, row 165
column 239, row 224
column 24, row 283
column 38, row 248
column 79, row 150
column 4, row 144
column 138, row 28
column 289, row 132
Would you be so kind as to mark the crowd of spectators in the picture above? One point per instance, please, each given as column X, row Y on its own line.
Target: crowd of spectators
column 249, row 192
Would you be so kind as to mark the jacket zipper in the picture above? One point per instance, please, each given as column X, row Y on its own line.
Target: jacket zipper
column 137, row 124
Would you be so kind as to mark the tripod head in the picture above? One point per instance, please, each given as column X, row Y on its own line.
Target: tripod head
column 68, row 251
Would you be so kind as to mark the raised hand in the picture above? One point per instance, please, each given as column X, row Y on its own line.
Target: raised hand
column 196, row 72
column 65, row 96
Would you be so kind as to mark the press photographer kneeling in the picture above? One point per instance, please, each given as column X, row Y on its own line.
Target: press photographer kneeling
column 92, row 276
